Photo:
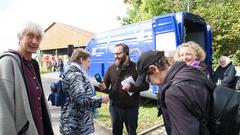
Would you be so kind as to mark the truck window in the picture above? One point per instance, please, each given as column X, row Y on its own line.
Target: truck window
column 166, row 41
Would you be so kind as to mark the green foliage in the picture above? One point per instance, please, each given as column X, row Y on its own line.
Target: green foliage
column 139, row 10
column 222, row 16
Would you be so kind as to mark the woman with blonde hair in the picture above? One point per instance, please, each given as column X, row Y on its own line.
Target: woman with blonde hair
column 191, row 53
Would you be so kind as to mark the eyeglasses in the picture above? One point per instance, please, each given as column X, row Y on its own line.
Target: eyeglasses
column 118, row 53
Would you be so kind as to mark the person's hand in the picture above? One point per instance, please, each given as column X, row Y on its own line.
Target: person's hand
column 126, row 87
column 105, row 99
column 102, row 86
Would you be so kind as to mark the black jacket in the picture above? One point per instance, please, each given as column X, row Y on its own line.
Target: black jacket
column 229, row 77
column 113, row 78
column 179, row 100
column 226, row 75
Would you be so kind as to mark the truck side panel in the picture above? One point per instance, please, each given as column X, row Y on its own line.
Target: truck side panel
column 137, row 36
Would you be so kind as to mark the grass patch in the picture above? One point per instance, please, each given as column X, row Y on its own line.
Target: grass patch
column 147, row 115
column 44, row 72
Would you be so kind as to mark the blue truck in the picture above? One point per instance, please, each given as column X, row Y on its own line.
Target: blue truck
column 163, row 32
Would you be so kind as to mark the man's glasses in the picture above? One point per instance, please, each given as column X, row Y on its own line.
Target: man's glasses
column 117, row 54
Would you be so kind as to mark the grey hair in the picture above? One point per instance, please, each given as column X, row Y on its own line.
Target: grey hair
column 30, row 27
column 227, row 59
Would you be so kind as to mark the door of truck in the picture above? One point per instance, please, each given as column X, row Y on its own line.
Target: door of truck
column 197, row 30
column 166, row 34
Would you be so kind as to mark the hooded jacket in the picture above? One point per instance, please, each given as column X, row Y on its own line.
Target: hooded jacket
column 15, row 112
column 179, row 100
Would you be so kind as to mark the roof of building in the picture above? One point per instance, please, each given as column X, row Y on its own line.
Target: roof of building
column 59, row 35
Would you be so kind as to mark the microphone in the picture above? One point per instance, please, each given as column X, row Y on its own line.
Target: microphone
column 98, row 78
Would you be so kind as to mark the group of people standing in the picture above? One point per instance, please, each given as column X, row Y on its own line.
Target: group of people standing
column 184, row 82
column 77, row 113
column 186, row 86
column 24, row 109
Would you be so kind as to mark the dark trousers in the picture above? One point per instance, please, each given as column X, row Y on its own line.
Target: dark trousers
column 129, row 116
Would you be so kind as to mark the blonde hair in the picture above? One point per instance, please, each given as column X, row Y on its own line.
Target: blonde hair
column 197, row 51
column 78, row 54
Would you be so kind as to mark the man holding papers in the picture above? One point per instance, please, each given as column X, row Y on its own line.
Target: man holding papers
column 124, row 95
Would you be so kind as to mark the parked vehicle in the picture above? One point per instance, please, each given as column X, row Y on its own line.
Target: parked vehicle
column 163, row 32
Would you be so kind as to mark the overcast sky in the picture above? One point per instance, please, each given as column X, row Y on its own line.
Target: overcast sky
column 91, row 15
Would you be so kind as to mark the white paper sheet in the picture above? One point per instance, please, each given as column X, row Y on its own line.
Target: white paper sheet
column 127, row 81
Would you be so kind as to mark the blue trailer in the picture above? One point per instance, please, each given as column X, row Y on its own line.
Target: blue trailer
column 164, row 32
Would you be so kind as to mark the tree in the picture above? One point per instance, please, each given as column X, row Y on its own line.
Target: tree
column 222, row 16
